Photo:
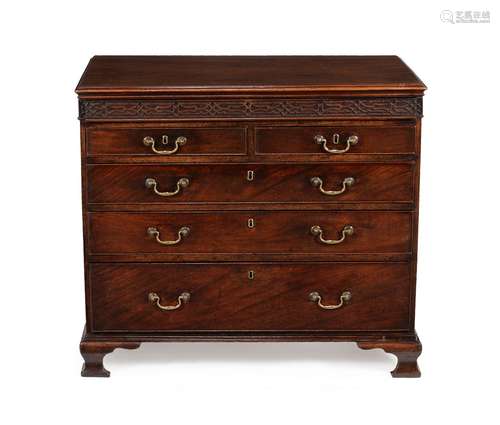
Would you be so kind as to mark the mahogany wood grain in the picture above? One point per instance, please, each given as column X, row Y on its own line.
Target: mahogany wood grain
column 200, row 141
column 93, row 353
column 300, row 140
column 254, row 206
column 406, row 351
column 208, row 74
column 126, row 146
column 254, row 336
column 274, row 183
column 405, row 345
column 259, row 114
column 224, row 298
column 245, row 256
column 274, row 232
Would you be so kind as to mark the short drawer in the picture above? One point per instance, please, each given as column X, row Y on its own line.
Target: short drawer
column 166, row 142
column 167, row 184
column 336, row 140
column 252, row 296
column 260, row 232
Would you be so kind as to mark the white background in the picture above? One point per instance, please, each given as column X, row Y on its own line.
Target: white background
column 45, row 48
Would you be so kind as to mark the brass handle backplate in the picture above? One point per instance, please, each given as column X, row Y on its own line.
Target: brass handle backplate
column 149, row 141
column 318, row 232
column 151, row 183
column 318, row 182
column 154, row 298
column 182, row 233
column 315, row 297
column 321, row 140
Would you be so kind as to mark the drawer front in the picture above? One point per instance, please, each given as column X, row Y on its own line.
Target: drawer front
column 222, row 297
column 303, row 140
column 250, row 183
column 184, row 141
column 259, row 232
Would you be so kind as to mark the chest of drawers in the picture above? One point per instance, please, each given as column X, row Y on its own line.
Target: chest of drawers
column 250, row 199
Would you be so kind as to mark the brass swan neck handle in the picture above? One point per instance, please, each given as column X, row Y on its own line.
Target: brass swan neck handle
column 150, row 141
column 154, row 298
column 317, row 231
column 345, row 297
column 151, row 183
column 155, row 233
column 318, row 182
column 321, row 140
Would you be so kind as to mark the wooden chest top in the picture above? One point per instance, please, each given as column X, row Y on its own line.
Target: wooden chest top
column 117, row 88
column 235, row 74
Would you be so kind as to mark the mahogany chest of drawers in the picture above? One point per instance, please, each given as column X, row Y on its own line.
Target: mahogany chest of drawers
column 250, row 199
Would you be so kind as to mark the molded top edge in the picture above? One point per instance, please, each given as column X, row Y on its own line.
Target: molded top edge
column 248, row 74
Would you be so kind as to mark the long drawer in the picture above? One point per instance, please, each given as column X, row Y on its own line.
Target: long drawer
column 257, row 232
column 252, row 296
column 250, row 183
